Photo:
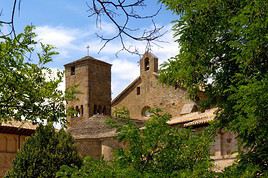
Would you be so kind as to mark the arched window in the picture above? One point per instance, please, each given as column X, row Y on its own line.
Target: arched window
column 146, row 64
column 146, row 111
column 77, row 111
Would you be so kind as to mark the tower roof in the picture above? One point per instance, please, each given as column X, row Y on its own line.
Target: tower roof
column 148, row 54
column 96, row 127
column 87, row 59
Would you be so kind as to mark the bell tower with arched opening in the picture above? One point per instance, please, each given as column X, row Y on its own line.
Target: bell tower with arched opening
column 148, row 64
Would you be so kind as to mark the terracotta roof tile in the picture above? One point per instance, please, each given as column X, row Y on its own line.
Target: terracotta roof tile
column 194, row 118
column 19, row 124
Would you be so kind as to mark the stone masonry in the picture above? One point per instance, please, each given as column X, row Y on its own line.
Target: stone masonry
column 147, row 92
column 92, row 79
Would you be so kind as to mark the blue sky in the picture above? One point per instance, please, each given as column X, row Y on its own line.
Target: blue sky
column 66, row 25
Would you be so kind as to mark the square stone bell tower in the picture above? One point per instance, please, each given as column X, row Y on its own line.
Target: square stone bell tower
column 92, row 78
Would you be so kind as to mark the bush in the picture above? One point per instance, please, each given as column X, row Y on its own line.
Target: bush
column 44, row 153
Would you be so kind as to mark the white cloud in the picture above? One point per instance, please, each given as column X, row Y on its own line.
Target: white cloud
column 72, row 42
column 124, row 69
column 64, row 39
column 56, row 36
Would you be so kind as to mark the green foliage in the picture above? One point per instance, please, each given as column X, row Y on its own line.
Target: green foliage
column 90, row 168
column 26, row 88
column 223, row 50
column 242, row 171
column 122, row 113
column 44, row 153
column 157, row 150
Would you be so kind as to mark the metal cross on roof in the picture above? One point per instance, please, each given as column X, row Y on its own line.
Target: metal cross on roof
column 88, row 49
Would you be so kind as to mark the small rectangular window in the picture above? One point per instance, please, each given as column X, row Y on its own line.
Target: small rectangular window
column 138, row 90
column 95, row 109
column 73, row 70
column 82, row 110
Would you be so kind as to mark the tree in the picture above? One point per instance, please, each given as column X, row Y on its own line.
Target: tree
column 224, row 52
column 157, row 150
column 44, row 153
column 26, row 89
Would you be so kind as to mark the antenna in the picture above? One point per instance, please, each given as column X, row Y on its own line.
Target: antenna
column 88, row 49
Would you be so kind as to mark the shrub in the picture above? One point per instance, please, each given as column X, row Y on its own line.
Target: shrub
column 44, row 153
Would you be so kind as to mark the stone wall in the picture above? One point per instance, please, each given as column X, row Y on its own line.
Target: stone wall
column 9, row 145
column 224, row 150
column 97, row 148
column 151, row 94
column 93, row 81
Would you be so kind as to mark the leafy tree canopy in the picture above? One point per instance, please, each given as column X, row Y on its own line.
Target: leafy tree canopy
column 26, row 90
column 223, row 51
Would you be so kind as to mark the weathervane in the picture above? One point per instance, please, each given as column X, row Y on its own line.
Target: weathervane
column 88, row 49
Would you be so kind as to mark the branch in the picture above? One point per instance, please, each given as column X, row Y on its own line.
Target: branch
column 122, row 14
column 11, row 22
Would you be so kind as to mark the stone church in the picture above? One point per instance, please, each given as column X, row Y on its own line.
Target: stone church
column 92, row 78
column 147, row 92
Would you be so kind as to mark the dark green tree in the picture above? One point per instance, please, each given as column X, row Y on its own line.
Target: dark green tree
column 44, row 153
column 223, row 51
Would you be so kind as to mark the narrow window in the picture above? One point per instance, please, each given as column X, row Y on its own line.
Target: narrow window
column 95, row 109
column 73, row 70
column 82, row 110
column 146, row 64
column 138, row 90
column 77, row 111
column 104, row 110
column 99, row 109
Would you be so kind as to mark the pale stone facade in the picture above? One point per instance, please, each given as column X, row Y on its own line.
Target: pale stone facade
column 147, row 92
column 92, row 78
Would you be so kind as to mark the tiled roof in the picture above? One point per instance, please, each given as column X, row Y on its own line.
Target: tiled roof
column 195, row 118
column 187, row 108
column 87, row 58
column 19, row 125
column 93, row 127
